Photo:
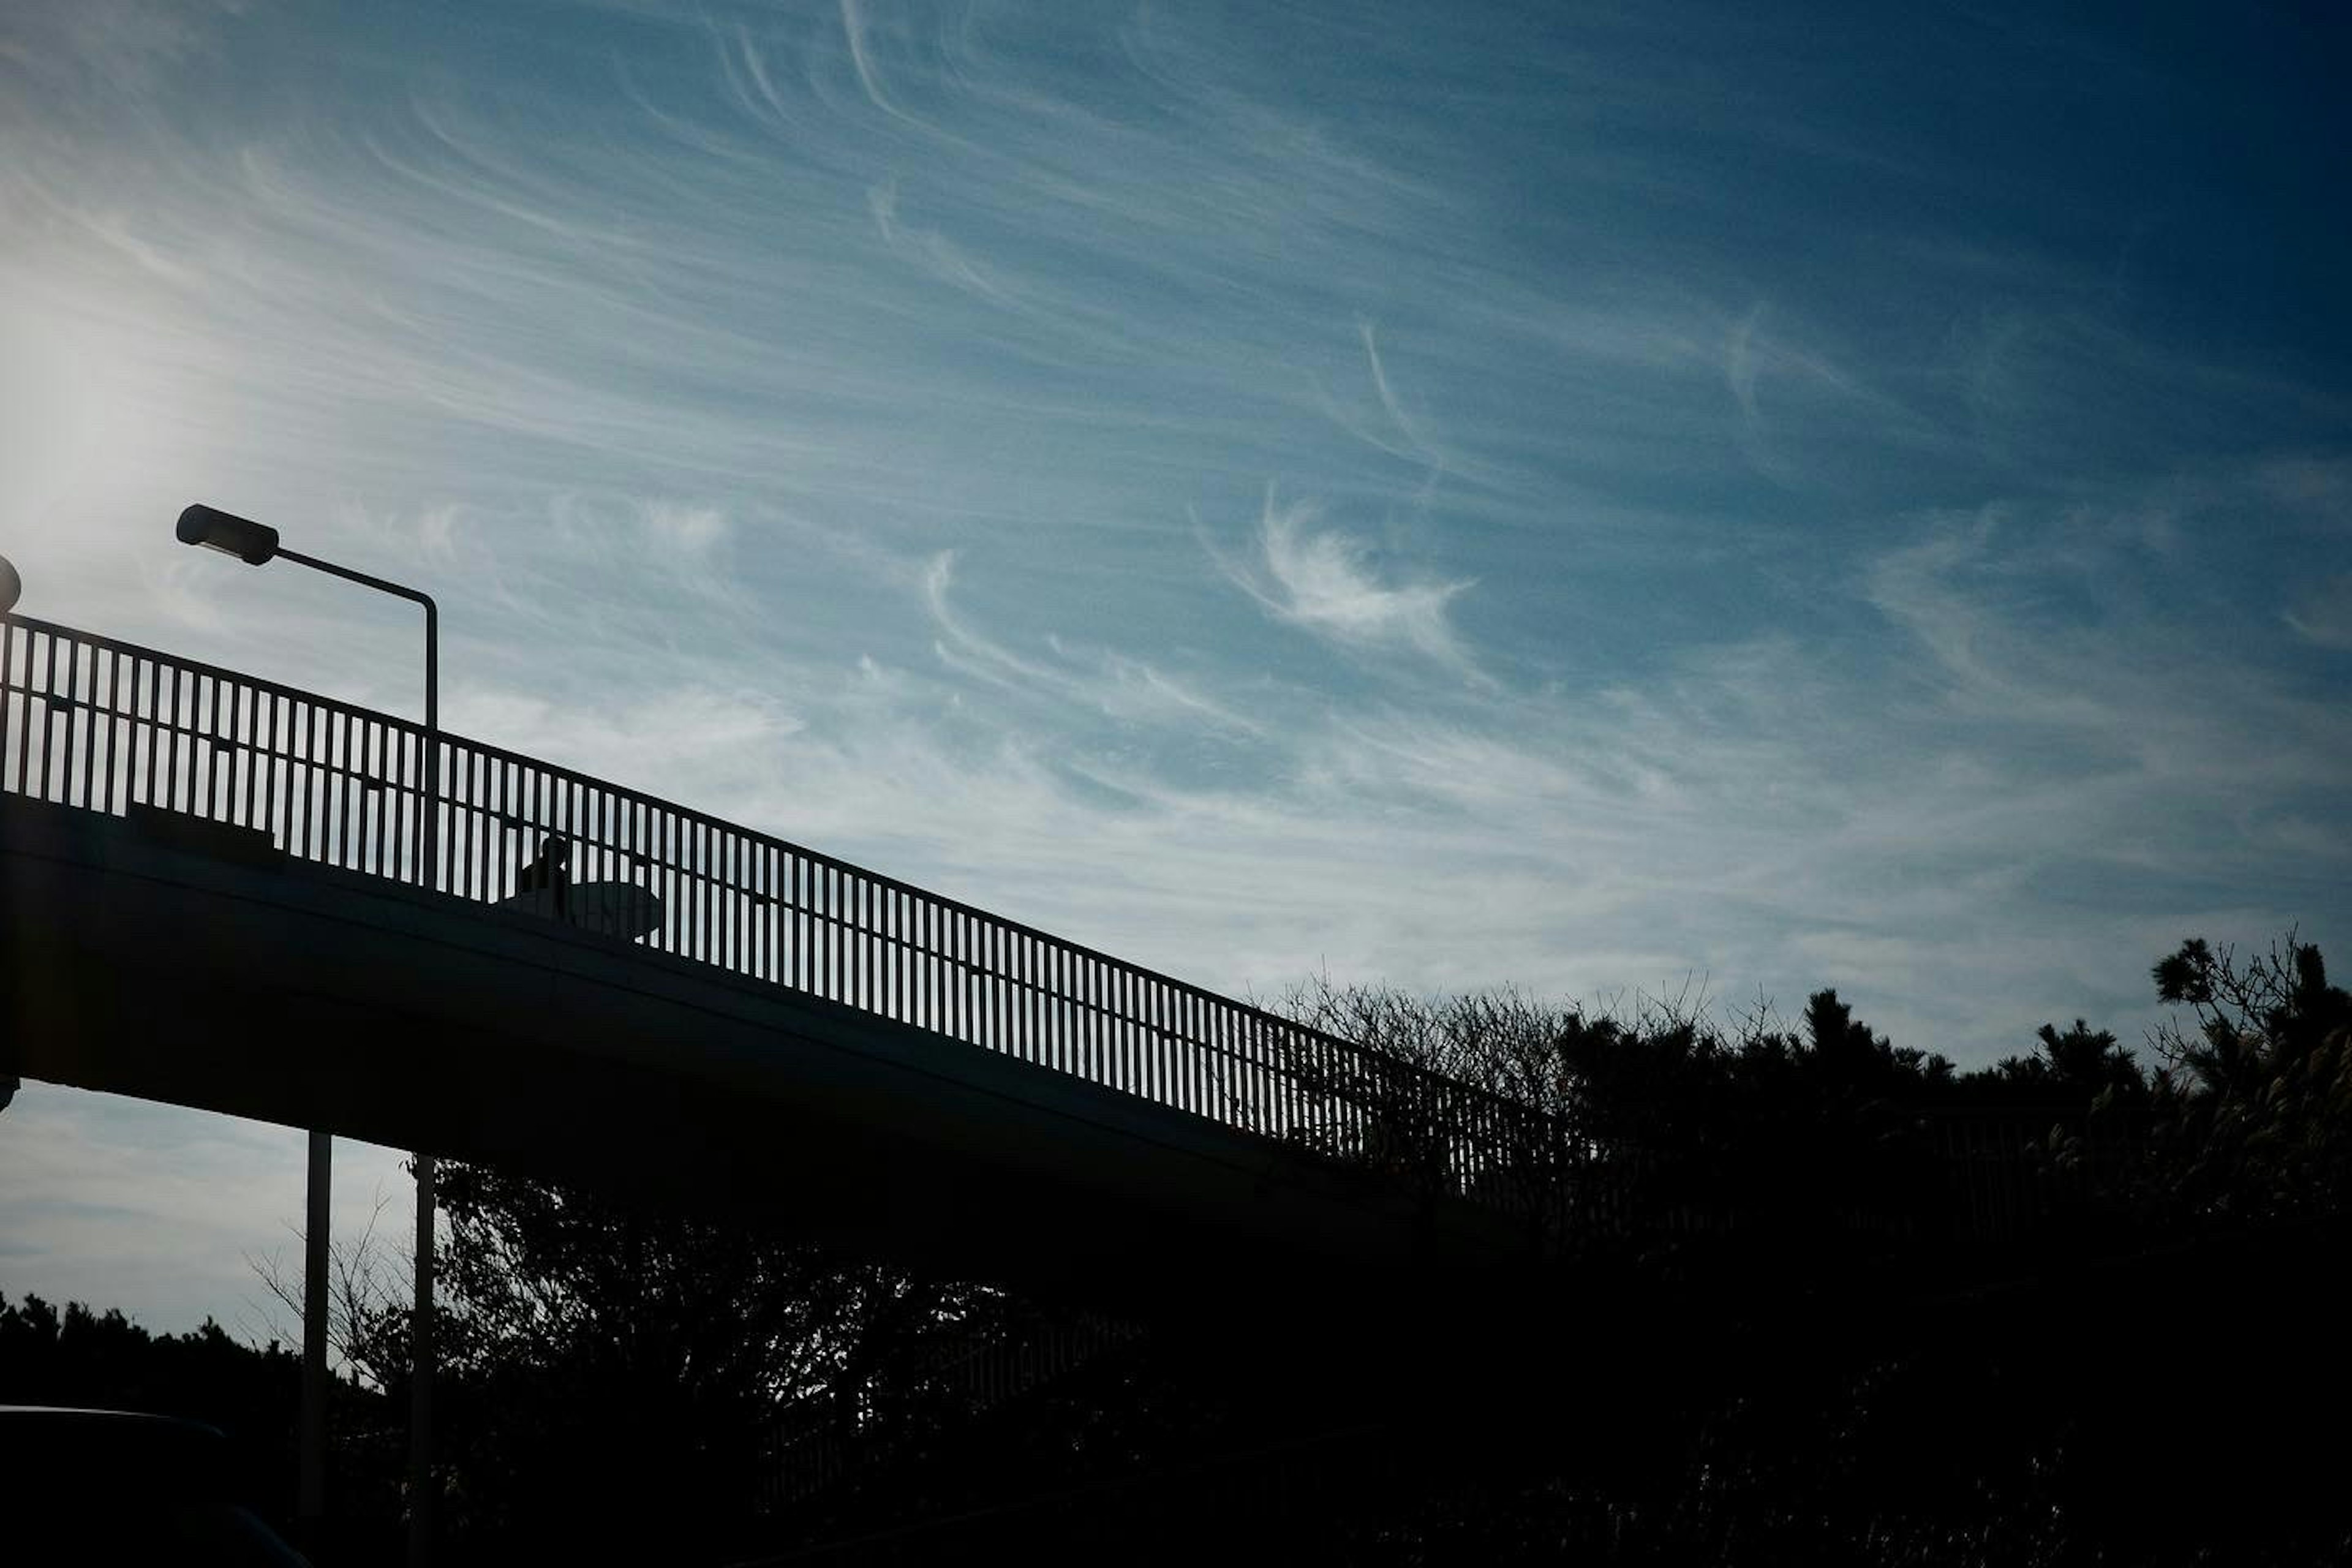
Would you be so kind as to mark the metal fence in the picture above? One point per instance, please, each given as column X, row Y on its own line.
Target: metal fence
column 89, row 722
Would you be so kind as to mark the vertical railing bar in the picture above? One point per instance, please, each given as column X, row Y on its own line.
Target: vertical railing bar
column 248, row 746
column 282, row 778
column 761, row 854
column 371, row 800
column 212, row 737
column 7, row 691
column 899, row 920
column 143, row 738
column 1196, row 1028
column 771, row 937
column 840, row 892
column 178, row 687
column 333, row 734
column 356, row 792
column 469, row 824
column 311, row 822
column 48, row 714
column 965, row 1028
column 121, row 736
column 1000, row 966
column 322, row 780
column 679, row 852
column 52, row 753
column 244, row 725
column 539, row 818
column 415, row 808
column 356, row 732
column 1162, row 1047
column 412, row 806
column 456, row 784
column 1138, row 1032
column 25, row 719
column 73, row 721
column 798, row 872
column 1069, row 1048
column 1254, row 1049
column 87, row 741
column 1132, row 1048
column 691, row 835
column 864, row 948
column 983, row 966
column 269, row 790
column 649, row 831
column 1032, row 1031
column 1114, row 1023
column 698, row 847
column 498, row 787
column 689, row 864
column 66, row 709
column 681, row 925
column 114, row 726
column 1089, row 1045
column 48, row 718
column 339, row 763
column 98, row 788
column 880, row 902
column 315, row 815
column 410, row 810
column 565, row 805
column 932, row 999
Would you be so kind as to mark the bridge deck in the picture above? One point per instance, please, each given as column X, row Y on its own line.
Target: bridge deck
column 211, row 893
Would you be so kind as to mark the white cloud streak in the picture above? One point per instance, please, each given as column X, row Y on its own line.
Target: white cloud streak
column 1322, row 580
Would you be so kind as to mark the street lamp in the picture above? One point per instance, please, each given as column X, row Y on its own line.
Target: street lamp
column 256, row 544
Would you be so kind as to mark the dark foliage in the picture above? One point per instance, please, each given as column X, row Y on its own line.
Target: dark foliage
column 1825, row 1300
column 104, row 1361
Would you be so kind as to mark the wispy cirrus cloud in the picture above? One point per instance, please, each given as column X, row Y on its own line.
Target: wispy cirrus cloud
column 1117, row 685
column 1324, row 581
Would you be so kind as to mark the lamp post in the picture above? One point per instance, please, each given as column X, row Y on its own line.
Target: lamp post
column 256, row 544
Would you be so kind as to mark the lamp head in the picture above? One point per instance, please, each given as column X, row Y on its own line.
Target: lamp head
column 11, row 586
column 251, row 542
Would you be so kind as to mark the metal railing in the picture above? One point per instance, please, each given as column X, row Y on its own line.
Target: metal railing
column 89, row 722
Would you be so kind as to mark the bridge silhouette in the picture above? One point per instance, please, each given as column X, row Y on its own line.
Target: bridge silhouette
column 215, row 893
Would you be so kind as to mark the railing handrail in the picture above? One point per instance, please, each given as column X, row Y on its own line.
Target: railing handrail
column 1428, row 1088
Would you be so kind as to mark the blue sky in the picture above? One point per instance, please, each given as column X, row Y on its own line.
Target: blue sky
column 1579, row 496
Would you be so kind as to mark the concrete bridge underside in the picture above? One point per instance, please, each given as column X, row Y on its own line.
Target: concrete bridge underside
column 177, row 962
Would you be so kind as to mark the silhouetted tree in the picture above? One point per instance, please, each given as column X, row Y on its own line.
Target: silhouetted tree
column 612, row 1378
column 103, row 1360
column 2254, row 1109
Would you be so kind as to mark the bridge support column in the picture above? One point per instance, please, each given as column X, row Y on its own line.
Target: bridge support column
column 310, row 1496
column 420, row 1408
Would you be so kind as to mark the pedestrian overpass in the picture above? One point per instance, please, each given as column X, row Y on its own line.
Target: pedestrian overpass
column 227, row 893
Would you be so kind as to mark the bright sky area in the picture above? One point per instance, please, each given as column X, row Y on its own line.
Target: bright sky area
column 1593, row 497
